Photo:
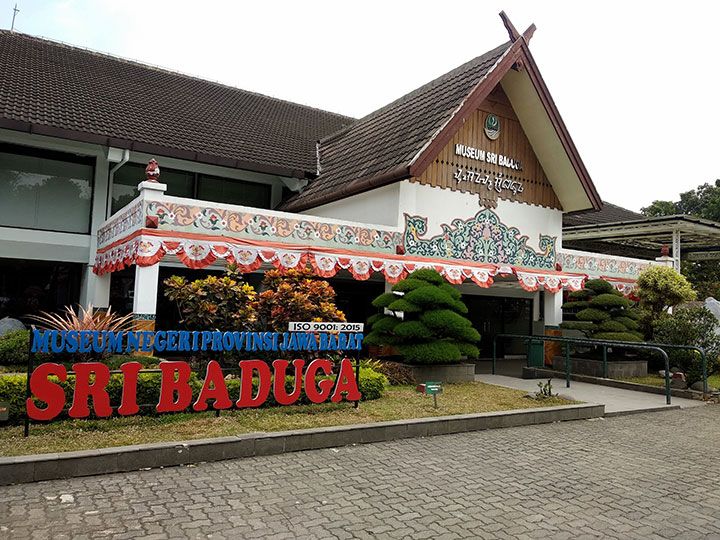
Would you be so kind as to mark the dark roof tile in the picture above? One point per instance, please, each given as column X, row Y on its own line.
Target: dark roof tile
column 52, row 84
column 610, row 213
column 393, row 135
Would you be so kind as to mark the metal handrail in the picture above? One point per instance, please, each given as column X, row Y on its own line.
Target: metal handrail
column 588, row 341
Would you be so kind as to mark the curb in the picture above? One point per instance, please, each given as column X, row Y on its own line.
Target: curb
column 643, row 411
column 35, row 468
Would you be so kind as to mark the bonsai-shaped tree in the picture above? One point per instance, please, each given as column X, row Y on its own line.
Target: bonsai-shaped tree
column 602, row 313
column 296, row 295
column 423, row 318
column 660, row 288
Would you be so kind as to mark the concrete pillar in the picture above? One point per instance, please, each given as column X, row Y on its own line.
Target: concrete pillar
column 145, row 299
column 97, row 217
column 676, row 249
column 146, row 288
column 552, row 318
column 553, row 313
column 146, row 277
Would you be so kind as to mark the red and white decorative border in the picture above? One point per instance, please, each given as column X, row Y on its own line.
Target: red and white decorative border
column 147, row 250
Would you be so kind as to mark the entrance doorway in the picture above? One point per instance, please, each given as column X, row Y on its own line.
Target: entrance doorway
column 493, row 315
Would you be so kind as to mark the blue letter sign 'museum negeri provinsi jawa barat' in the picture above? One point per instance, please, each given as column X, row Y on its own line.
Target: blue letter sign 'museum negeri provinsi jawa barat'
column 183, row 341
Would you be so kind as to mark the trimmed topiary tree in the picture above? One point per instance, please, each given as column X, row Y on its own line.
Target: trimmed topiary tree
column 602, row 312
column 660, row 288
column 423, row 319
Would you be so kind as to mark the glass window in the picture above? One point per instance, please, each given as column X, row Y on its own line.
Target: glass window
column 229, row 191
column 127, row 178
column 40, row 191
column 31, row 286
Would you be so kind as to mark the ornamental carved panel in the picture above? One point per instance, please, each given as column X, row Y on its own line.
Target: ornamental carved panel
column 482, row 239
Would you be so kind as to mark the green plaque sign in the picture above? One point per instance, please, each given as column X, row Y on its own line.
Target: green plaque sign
column 433, row 388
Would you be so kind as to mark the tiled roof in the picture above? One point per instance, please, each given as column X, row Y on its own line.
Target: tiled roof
column 52, row 88
column 610, row 213
column 392, row 136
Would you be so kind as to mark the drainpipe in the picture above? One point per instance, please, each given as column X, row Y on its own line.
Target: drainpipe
column 123, row 161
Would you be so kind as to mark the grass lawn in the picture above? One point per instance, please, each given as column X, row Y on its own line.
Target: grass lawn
column 397, row 403
column 654, row 380
column 650, row 380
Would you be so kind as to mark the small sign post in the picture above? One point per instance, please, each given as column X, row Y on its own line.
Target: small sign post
column 431, row 388
column 4, row 411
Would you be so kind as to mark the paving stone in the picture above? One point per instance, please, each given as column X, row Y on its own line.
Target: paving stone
column 612, row 479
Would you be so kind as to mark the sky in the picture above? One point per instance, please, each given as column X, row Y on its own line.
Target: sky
column 635, row 82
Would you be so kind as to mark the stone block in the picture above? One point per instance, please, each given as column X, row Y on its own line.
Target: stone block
column 224, row 448
column 491, row 421
column 14, row 471
column 458, row 424
column 335, row 436
column 127, row 458
column 395, row 429
column 437, row 427
column 512, row 419
column 90, row 463
column 296, row 441
column 416, row 428
column 372, row 434
column 269, row 444
column 46, row 467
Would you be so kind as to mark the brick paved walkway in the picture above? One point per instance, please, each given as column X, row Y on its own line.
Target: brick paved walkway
column 641, row 476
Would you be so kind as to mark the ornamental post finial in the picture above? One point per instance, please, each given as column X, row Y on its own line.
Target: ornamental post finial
column 152, row 171
column 512, row 31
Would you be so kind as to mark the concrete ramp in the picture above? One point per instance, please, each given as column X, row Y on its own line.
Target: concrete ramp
column 616, row 400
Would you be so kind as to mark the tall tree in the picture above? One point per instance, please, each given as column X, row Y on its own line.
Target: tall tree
column 704, row 202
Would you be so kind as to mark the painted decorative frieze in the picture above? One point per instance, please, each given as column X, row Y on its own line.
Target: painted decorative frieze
column 216, row 221
column 603, row 265
column 482, row 239
column 121, row 224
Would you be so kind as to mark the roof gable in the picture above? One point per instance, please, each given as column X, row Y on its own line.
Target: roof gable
column 401, row 140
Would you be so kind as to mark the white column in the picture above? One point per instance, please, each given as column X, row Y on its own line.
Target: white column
column 536, row 306
column 100, row 195
column 145, row 292
column 100, row 293
column 676, row 249
column 553, row 313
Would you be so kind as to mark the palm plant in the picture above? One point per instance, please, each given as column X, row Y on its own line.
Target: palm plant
column 81, row 320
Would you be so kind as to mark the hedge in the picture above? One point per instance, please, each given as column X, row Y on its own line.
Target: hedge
column 14, row 347
column 12, row 390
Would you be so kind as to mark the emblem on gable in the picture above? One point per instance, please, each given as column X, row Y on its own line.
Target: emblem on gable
column 492, row 127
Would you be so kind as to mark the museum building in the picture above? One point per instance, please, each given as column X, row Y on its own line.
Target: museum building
column 470, row 174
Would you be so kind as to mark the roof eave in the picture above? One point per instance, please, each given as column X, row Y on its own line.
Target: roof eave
column 147, row 148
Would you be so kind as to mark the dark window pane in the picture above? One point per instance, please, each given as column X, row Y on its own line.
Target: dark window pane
column 228, row 191
column 27, row 287
column 127, row 178
column 40, row 192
